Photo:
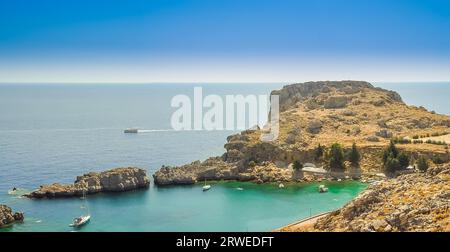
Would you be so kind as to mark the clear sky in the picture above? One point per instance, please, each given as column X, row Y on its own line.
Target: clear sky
column 224, row 40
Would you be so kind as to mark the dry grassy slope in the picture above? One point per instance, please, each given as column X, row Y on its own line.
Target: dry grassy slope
column 413, row 202
column 320, row 116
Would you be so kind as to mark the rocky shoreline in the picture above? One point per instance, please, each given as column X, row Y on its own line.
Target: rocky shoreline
column 418, row 202
column 114, row 180
column 7, row 217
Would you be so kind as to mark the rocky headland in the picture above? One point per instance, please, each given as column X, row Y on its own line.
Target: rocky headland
column 7, row 217
column 114, row 180
column 410, row 202
column 322, row 113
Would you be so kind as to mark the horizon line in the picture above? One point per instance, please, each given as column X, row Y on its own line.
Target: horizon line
column 212, row 82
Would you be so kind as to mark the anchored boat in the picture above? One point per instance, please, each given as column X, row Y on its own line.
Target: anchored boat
column 206, row 187
column 323, row 189
column 82, row 220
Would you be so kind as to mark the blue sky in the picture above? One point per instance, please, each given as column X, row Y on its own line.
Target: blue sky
column 224, row 40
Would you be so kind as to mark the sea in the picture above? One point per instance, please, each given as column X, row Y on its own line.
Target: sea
column 55, row 132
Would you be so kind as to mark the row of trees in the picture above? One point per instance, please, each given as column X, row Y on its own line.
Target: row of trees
column 335, row 157
column 393, row 159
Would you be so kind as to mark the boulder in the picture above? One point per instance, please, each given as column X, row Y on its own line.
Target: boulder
column 384, row 133
column 336, row 102
column 314, row 126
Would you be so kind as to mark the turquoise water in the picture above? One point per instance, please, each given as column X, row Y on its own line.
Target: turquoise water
column 53, row 133
column 188, row 208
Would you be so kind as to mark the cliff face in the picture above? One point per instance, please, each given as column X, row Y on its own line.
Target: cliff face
column 115, row 180
column 314, row 113
column 8, row 217
column 413, row 202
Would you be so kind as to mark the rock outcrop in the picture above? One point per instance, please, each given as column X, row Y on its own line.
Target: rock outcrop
column 412, row 202
column 114, row 180
column 7, row 216
column 314, row 113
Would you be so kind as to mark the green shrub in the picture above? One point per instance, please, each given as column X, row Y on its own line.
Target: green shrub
column 403, row 160
column 392, row 165
column 297, row 165
column 394, row 160
column 390, row 151
column 422, row 163
column 437, row 159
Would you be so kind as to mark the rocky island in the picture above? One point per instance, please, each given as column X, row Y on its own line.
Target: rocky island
column 316, row 116
column 114, row 180
column 7, row 216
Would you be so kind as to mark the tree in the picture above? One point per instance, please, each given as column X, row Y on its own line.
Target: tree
column 394, row 160
column 354, row 156
column 297, row 165
column 319, row 152
column 403, row 160
column 336, row 158
column 422, row 164
column 392, row 165
column 390, row 151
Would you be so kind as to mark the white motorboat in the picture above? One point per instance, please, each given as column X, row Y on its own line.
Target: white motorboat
column 83, row 219
column 131, row 130
column 281, row 185
column 80, row 221
column 323, row 189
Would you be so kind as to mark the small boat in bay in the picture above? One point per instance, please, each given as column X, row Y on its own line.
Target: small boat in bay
column 281, row 185
column 83, row 219
column 80, row 221
column 206, row 187
column 323, row 189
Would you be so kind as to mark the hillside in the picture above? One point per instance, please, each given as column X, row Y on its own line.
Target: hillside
column 412, row 202
column 324, row 113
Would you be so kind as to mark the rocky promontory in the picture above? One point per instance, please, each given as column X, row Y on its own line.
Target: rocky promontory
column 316, row 114
column 7, row 216
column 114, row 180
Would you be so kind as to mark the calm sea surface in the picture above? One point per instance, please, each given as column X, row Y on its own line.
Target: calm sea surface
column 52, row 133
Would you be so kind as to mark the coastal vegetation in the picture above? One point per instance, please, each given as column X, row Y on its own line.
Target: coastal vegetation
column 394, row 160
column 337, row 159
column 422, row 164
column 319, row 152
column 297, row 165
column 354, row 156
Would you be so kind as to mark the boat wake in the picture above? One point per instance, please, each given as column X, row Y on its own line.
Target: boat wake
column 154, row 130
column 18, row 192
